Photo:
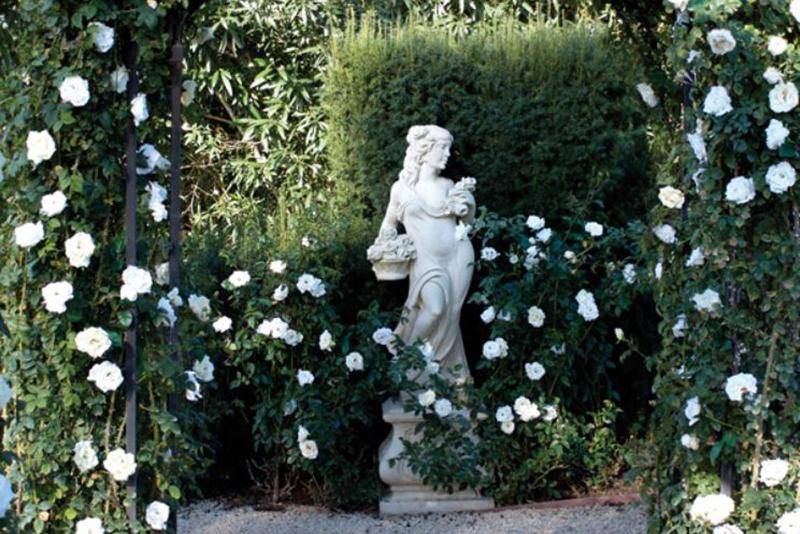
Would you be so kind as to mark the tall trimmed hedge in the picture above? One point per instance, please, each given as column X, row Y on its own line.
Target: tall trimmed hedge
column 538, row 115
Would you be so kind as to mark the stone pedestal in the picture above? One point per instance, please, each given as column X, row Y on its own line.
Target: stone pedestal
column 408, row 495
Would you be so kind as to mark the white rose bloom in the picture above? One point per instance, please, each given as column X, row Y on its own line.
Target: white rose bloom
column 680, row 5
column 773, row 472
column 692, row 410
column 93, row 341
column 534, row 370
column 189, row 92
column 696, row 258
column 326, row 342
column 41, row 146
column 739, row 385
column 29, row 234
column 740, row 190
column 708, row 300
column 648, row 95
column 794, row 9
column 489, row 254
column 5, row 392
column 84, row 456
column 383, row 336
column 629, row 273
column 305, row 377
column 275, row 328
column 777, row 45
column 711, row 509
column 488, row 315
column 162, row 274
column 120, row 464
column 119, row 79
column 53, row 204
column 666, row 233
column 302, row 434
column 426, row 398
column 157, row 515
column 789, row 522
column 168, row 316
column 717, row 101
column 204, row 369
column 721, row 41
column 55, row 296
column 496, row 348
column 280, row 293
column 106, row 376
column 139, row 109
column 192, row 393
column 690, row 441
column 307, row 283
column 619, row 333
column 594, row 229
column 773, row 75
column 550, row 413
column 200, row 306
column 89, row 525
column 103, row 36
column 525, row 409
column 79, row 249
column 727, row 528
column 780, row 177
column 783, row 97
column 679, row 328
column 776, row 134
column 513, row 259
column 507, row 427
column 443, row 407
column 462, row 231
column 544, row 235
column 670, row 197
column 587, row 308
column 536, row 316
column 223, row 324
column 293, row 338
column 74, row 90
column 155, row 203
column 153, row 160
column 698, row 144
column 239, row 278
column 277, row 266
column 135, row 282
column 535, row 223
column 504, row 414
column 354, row 361
column 309, row 450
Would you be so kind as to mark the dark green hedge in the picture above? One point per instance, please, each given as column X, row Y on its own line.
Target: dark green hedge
column 547, row 118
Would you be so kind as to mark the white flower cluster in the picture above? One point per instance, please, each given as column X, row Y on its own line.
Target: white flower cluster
column 711, row 509
column 308, row 447
column 136, row 281
column 155, row 203
column 310, row 284
column 495, row 348
column 587, row 307
column 277, row 328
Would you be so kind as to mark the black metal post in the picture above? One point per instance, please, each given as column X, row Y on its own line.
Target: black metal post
column 131, row 57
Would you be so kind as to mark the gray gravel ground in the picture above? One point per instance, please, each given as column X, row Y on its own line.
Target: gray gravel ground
column 212, row 518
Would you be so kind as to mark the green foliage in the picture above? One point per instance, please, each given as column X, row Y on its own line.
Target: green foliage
column 531, row 107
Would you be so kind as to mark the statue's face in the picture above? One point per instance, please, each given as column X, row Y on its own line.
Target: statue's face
column 438, row 155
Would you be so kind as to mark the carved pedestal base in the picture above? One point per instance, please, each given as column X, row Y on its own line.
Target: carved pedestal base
column 408, row 495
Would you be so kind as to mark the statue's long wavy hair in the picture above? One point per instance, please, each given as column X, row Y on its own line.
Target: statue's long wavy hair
column 420, row 141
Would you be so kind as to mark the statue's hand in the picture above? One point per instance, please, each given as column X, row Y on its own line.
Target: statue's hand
column 387, row 234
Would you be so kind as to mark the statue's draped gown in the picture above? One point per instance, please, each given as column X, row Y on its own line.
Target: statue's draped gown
column 444, row 261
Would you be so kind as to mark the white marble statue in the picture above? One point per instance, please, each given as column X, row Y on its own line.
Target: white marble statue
column 436, row 255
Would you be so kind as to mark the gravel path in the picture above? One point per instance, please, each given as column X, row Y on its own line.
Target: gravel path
column 212, row 518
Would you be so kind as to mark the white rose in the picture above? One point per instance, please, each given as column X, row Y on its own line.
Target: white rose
column 648, row 95
column 157, row 515
column 103, row 36
column 155, row 203
column 526, row 410
column 443, row 407
column 619, row 333
column 223, row 324
column 53, row 204
column 629, row 273
column 79, row 249
column 275, row 328
column 302, row 434
column 426, row 398
column 690, row 442
column 135, row 282
column 587, row 307
column 152, row 159
column 168, row 316
column 192, row 393
column 29, row 234
column 535, row 223
column 773, row 76
column 721, row 41
column 740, row 190
column 534, row 370
column 504, row 414
column 74, row 90
column 489, row 254
column 204, row 369
column 189, row 91
column 711, row 509
column 106, row 376
column 239, row 278
column 41, row 146
column 200, row 306
column 93, row 341
column 772, row 472
column 309, row 450
column 794, row 9
column 326, row 342
column 277, row 266
column 740, row 385
column 680, row 5
column 56, row 295
column 717, row 102
column 783, row 97
column 354, row 361
column 698, row 144
column 707, row 300
column 536, row 316
column 696, row 258
column 550, row 413
column 777, row 45
column 307, row 283
column 776, row 134
column 119, row 79
column 670, row 197
column 383, row 336
column 120, row 464
column 84, row 456
column 507, row 427
column 304, row 377
column 139, row 109
column 666, row 233
column 496, row 348
column 780, row 177
column 488, row 315
column 280, row 293
column 162, row 274
column 89, row 525
column 692, row 410
column 789, row 522
column 594, row 229
column 544, row 235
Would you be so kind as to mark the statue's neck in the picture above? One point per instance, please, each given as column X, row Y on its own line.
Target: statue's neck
column 428, row 174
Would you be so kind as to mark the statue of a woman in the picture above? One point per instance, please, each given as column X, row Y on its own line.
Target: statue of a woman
column 433, row 210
